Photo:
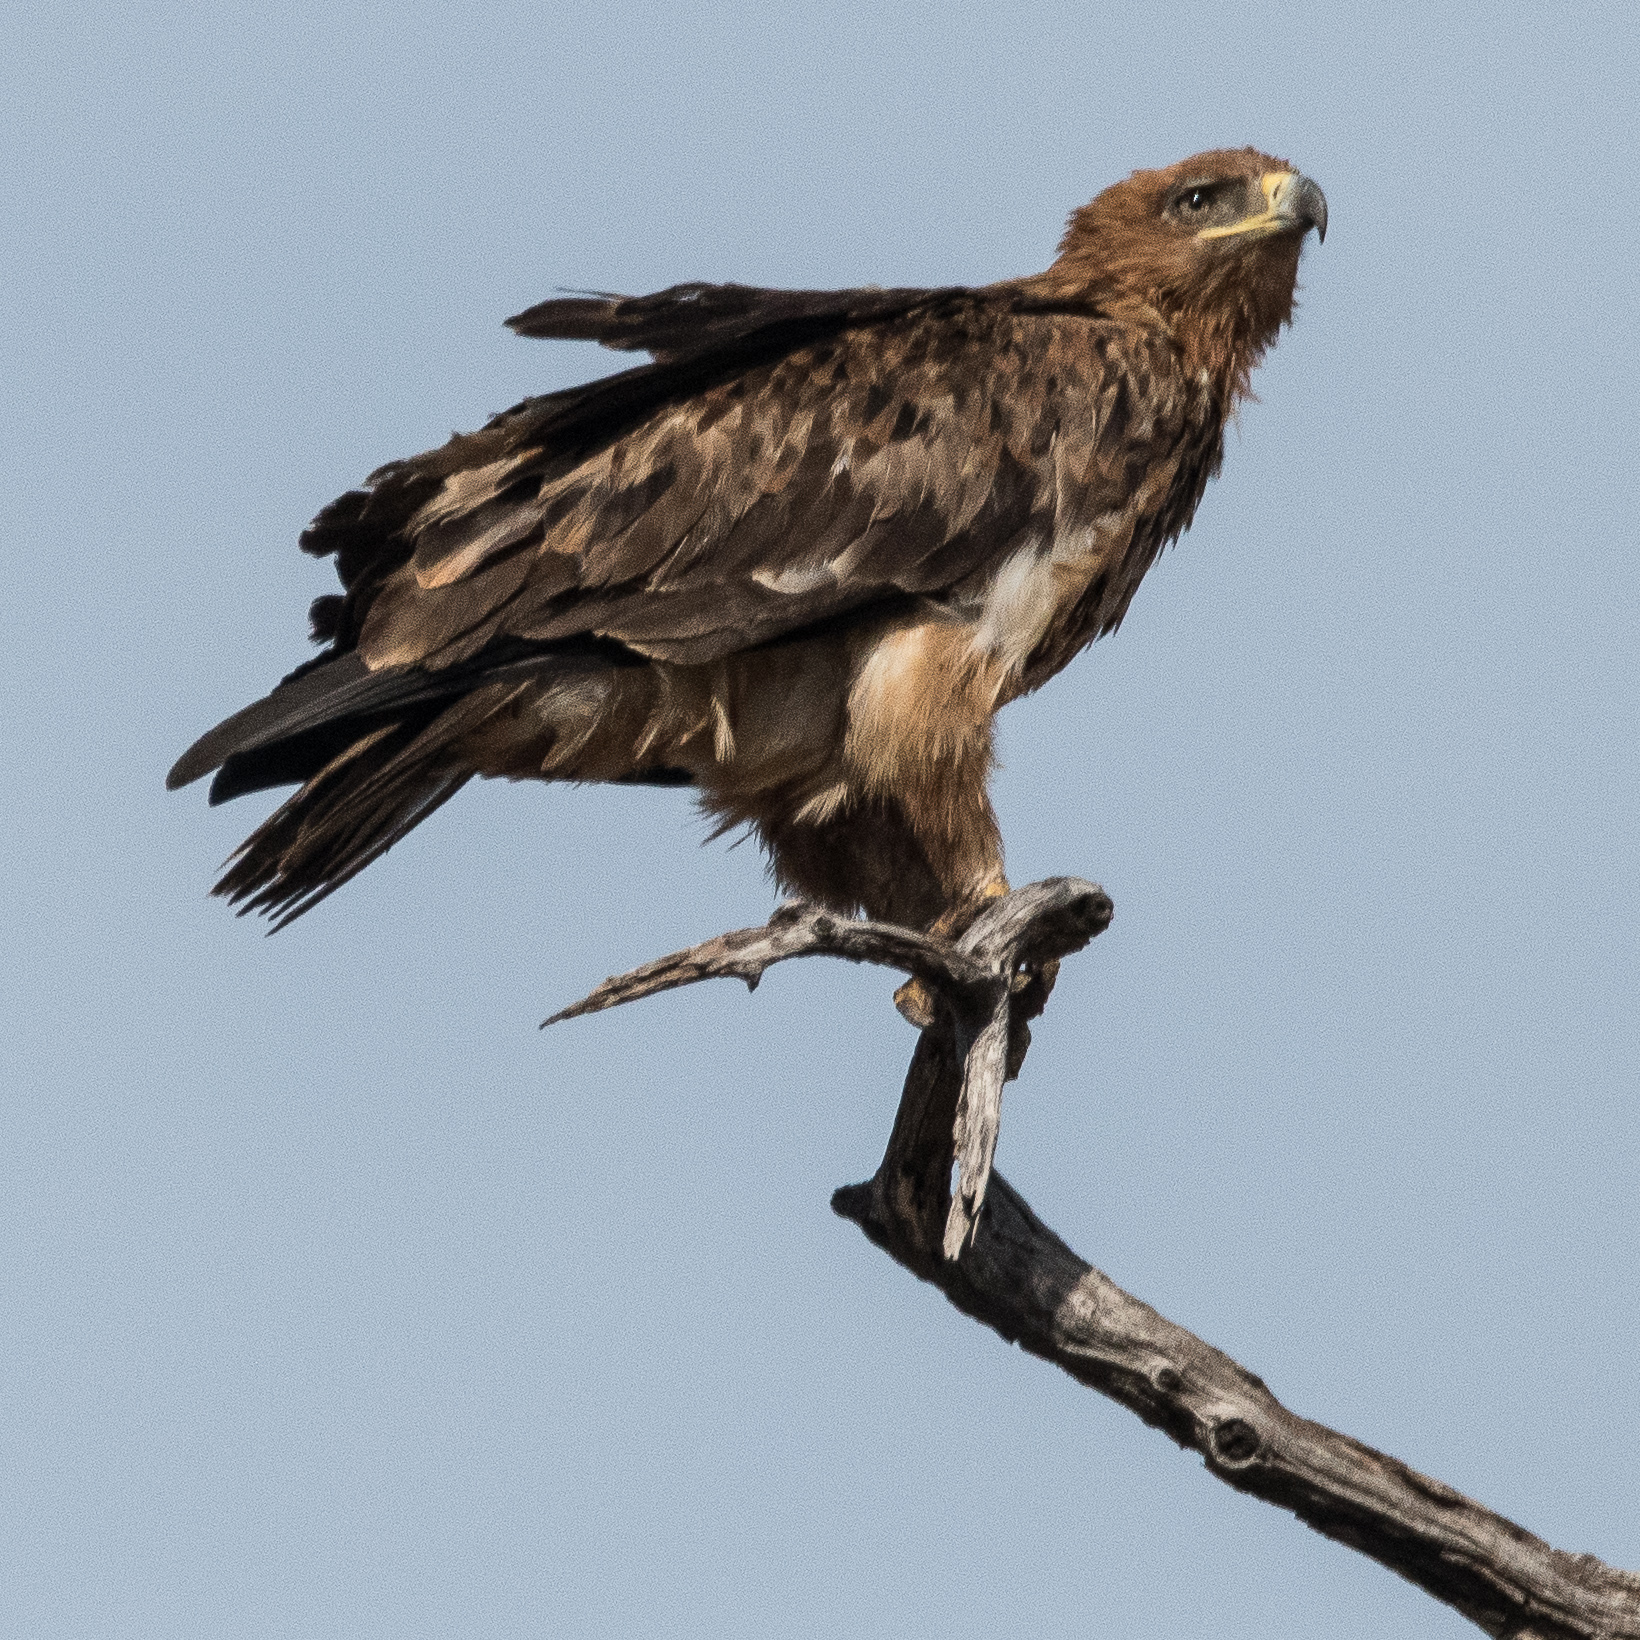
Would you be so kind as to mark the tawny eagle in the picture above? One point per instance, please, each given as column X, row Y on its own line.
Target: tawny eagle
column 797, row 562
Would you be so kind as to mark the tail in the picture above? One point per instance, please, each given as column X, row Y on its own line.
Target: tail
column 375, row 752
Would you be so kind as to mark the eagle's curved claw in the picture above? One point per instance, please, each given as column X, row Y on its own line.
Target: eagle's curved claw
column 917, row 1004
column 916, row 1000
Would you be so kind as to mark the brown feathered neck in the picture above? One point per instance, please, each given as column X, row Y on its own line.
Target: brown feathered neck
column 1223, row 300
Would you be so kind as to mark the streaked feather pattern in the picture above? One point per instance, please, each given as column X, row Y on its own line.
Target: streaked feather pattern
column 798, row 560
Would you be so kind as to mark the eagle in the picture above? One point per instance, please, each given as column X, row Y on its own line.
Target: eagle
column 797, row 561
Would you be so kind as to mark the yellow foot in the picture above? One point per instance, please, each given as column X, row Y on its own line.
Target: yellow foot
column 915, row 999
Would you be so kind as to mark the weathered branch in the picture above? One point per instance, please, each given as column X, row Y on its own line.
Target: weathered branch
column 995, row 1260
column 985, row 979
column 796, row 929
column 1019, row 1278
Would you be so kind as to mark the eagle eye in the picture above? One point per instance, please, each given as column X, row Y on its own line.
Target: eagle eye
column 1197, row 205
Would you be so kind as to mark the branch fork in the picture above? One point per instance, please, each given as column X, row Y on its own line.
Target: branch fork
column 983, row 1247
column 987, row 982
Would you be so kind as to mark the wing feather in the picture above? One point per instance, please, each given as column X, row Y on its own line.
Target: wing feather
column 698, row 318
column 744, row 502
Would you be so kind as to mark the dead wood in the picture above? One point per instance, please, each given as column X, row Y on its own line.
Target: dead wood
column 984, row 1248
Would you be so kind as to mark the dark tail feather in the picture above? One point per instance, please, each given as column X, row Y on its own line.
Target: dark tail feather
column 315, row 714
column 322, row 708
column 381, row 786
column 376, row 753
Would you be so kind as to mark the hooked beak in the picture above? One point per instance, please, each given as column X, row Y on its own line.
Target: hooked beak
column 1299, row 200
column 1290, row 201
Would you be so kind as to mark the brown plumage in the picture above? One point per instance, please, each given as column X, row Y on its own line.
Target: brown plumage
column 798, row 561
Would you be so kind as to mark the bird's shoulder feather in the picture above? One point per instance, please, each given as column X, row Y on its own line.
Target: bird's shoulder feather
column 738, row 491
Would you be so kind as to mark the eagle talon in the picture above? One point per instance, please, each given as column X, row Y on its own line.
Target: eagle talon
column 916, row 999
column 917, row 1003
column 1031, row 988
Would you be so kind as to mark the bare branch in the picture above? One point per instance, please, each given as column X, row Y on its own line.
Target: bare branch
column 1019, row 1278
column 795, row 930
column 978, row 977
column 984, row 1248
column 1029, row 930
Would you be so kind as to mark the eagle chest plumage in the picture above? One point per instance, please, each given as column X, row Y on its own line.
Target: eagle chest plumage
column 1160, row 467
column 797, row 562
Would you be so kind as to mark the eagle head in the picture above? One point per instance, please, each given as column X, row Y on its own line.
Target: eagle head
column 1210, row 245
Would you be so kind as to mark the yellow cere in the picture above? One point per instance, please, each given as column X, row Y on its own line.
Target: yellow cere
column 1267, row 220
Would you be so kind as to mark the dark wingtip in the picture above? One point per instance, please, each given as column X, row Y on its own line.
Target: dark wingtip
column 304, row 700
column 194, row 763
column 210, row 751
column 579, row 317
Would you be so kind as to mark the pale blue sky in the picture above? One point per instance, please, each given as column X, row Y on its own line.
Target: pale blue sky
column 335, row 1301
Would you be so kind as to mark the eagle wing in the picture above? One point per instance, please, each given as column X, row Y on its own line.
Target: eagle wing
column 791, row 458
column 694, row 319
column 787, row 463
